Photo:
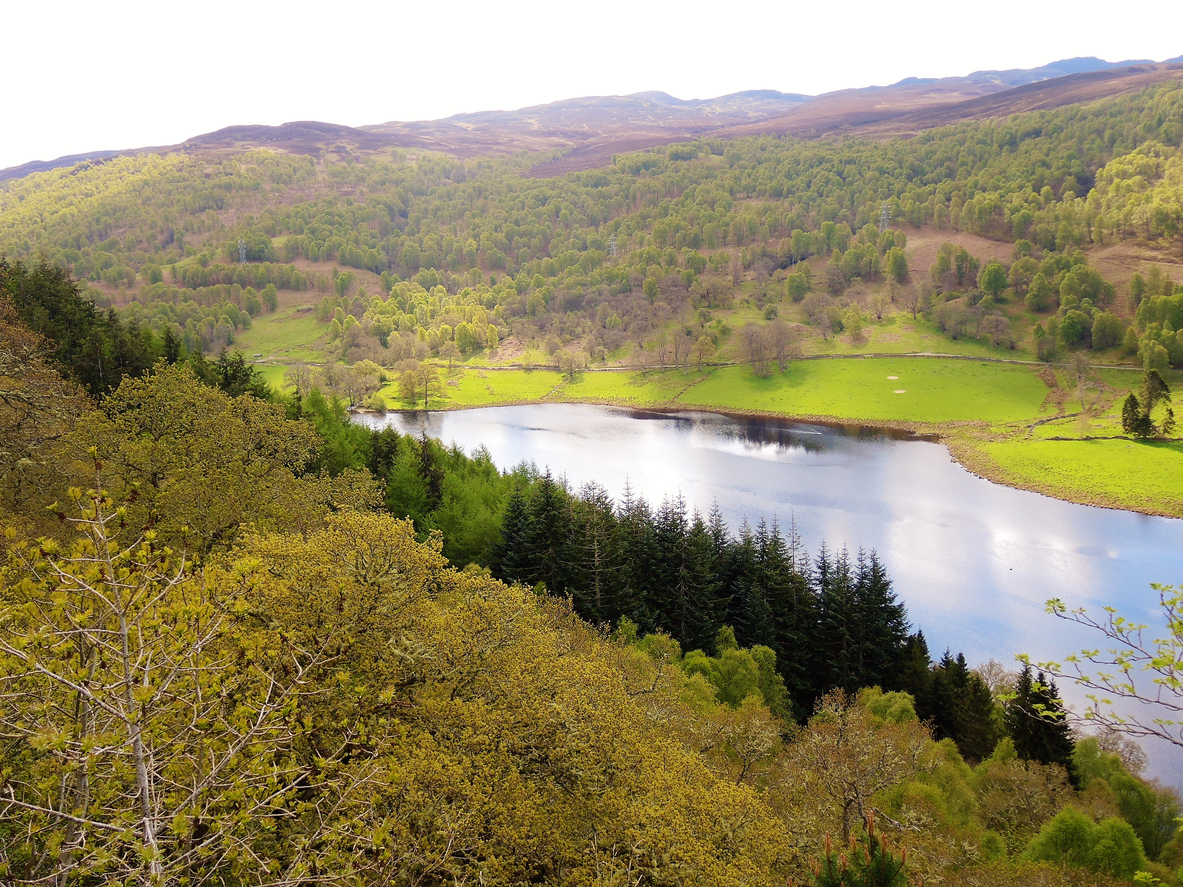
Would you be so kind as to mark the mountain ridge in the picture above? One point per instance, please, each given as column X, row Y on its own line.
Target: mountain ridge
column 590, row 129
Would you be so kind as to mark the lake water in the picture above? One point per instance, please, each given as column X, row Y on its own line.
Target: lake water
column 973, row 561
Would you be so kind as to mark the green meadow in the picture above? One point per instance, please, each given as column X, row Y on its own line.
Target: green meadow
column 1139, row 475
column 902, row 390
column 1004, row 421
column 289, row 334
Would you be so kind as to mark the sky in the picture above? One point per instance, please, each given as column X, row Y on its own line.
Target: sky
column 80, row 77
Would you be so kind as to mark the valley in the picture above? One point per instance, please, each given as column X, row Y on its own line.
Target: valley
column 622, row 490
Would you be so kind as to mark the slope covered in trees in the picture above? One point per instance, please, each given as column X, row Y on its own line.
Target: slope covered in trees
column 563, row 256
column 248, row 671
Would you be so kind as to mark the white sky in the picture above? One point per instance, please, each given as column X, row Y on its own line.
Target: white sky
column 86, row 76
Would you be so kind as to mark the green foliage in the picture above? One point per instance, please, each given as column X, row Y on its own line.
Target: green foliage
column 1137, row 409
column 869, row 862
column 705, row 212
column 1071, row 838
column 1036, row 721
column 94, row 348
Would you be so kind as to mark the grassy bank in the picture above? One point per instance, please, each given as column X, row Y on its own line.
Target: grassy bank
column 1006, row 422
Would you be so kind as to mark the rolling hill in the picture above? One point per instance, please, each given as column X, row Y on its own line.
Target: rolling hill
column 588, row 131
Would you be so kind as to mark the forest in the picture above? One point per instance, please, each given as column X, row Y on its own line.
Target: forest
column 651, row 254
column 243, row 640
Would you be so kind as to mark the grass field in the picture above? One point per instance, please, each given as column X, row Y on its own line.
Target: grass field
column 984, row 411
column 933, row 390
column 478, row 388
column 288, row 334
column 1143, row 476
column 903, row 334
column 628, row 388
column 272, row 374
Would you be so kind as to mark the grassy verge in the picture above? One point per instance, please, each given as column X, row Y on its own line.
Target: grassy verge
column 1011, row 424
column 898, row 390
column 1144, row 476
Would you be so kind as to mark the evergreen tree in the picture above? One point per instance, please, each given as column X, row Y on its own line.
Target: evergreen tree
column 431, row 471
column 794, row 613
column 913, row 674
column 704, row 606
column 508, row 559
column 636, row 545
column 669, row 587
column 837, row 649
column 869, row 862
column 743, row 563
column 595, row 570
column 1036, row 722
column 880, row 623
column 548, row 536
column 980, row 729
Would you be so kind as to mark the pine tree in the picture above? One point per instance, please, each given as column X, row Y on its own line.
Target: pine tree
column 509, row 559
column 594, row 566
column 794, row 613
column 881, row 625
column 704, row 606
column 869, row 862
column 913, row 674
column 1036, row 722
column 431, row 471
column 743, row 575
column 836, row 650
column 636, row 547
column 669, row 590
column 980, row 730
column 548, row 539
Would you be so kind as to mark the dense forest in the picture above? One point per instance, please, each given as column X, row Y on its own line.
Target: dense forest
column 414, row 255
column 245, row 641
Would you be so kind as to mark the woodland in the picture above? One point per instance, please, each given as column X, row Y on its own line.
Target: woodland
column 244, row 641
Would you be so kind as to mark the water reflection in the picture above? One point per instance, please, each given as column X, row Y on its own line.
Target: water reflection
column 974, row 561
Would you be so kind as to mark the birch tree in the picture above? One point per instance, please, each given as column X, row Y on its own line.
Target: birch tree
column 144, row 723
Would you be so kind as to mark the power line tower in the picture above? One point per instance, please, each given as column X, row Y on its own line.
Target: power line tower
column 884, row 218
column 241, row 251
column 612, row 246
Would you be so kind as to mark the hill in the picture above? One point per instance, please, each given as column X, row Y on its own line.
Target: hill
column 588, row 131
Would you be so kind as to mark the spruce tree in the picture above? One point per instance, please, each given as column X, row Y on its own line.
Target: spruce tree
column 880, row 622
column 1037, row 724
column 509, row 559
column 636, row 547
column 794, row 613
column 913, row 674
column 743, row 557
column 836, row 650
column 669, row 585
column 704, row 607
column 594, row 566
column 548, row 538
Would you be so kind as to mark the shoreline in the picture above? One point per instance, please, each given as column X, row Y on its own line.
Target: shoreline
column 959, row 447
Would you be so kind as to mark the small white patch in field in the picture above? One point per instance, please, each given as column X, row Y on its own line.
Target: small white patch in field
column 893, row 377
column 900, row 391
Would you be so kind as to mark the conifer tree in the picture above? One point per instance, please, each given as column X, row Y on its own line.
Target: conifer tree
column 508, row 558
column 836, row 651
column 637, row 551
column 880, row 623
column 548, row 536
column 913, row 674
column 794, row 613
column 1036, row 722
column 704, row 606
column 595, row 569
